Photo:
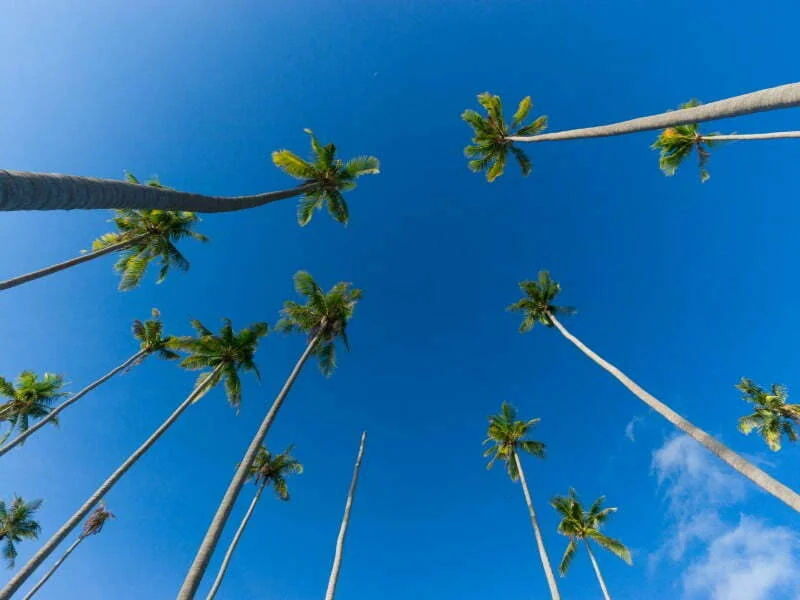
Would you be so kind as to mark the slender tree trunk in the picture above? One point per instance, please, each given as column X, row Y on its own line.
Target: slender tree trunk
column 53, row 569
column 46, row 191
column 229, row 553
column 777, row 135
column 782, row 96
column 749, row 470
column 10, row 283
column 198, row 568
column 337, row 557
column 597, row 571
column 25, row 572
column 71, row 400
column 548, row 570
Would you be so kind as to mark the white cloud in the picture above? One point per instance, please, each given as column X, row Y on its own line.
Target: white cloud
column 630, row 428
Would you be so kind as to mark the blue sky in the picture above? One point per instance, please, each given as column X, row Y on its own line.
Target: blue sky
column 687, row 287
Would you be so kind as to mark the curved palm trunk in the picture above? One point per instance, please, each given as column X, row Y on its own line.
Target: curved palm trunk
column 71, row 400
column 548, row 570
column 749, row 470
column 46, row 191
column 10, row 283
column 782, row 96
column 198, row 568
column 597, row 571
column 229, row 553
column 337, row 557
column 25, row 572
column 53, row 569
column 777, row 135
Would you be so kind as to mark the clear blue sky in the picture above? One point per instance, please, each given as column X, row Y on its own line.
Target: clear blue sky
column 685, row 286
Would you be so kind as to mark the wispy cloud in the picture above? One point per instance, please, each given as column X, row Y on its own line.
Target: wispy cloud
column 630, row 428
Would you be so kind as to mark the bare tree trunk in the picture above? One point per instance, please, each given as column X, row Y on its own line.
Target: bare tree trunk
column 597, row 571
column 337, row 557
column 53, row 569
column 749, row 470
column 46, row 191
column 782, row 96
column 548, row 570
column 37, row 559
column 777, row 135
column 198, row 567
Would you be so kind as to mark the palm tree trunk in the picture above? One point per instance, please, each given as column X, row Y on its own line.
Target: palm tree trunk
column 749, row 470
column 198, row 568
column 782, row 96
column 229, row 553
column 46, row 191
column 47, row 549
column 71, row 400
column 777, row 135
column 597, row 571
column 10, row 283
column 53, row 569
column 337, row 557
column 548, row 570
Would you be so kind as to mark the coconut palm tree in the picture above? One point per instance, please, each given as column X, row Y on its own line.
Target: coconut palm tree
column 537, row 307
column 152, row 341
column 92, row 526
column 580, row 525
column 29, row 399
column 506, row 437
column 351, row 492
column 17, row 524
column 142, row 236
column 773, row 416
column 220, row 357
column 323, row 319
column 323, row 180
column 266, row 469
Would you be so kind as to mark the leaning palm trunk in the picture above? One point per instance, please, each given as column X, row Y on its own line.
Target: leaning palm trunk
column 782, row 96
column 25, row 572
column 71, row 400
column 548, row 570
column 198, row 568
column 749, row 470
column 9, row 283
column 53, row 569
column 597, row 571
column 337, row 557
column 735, row 137
column 45, row 191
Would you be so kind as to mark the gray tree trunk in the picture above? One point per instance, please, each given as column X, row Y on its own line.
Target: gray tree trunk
column 46, row 191
column 55, row 567
column 337, row 557
column 597, row 571
column 782, row 96
column 776, row 135
column 749, row 470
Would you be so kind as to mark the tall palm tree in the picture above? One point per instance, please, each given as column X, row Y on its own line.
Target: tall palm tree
column 266, row 469
column 44, row 191
column 142, row 236
column 537, row 307
column 29, row 399
column 220, row 357
column 773, row 416
column 323, row 319
column 351, row 493
column 17, row 524
column 92, row 526
column 152, row 341
column 584, row 526
column 506, row 437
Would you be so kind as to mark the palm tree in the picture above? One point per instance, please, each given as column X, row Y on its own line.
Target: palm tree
column 323, row 319
column 773, row 416
column 265, row 470
column 92, row 526
column 221, row 357
column 142, row 236
column 152, row 341
column 29, row 399
column 44, row 191
column 506, row 437
column 537, row 307
column 351, row 492
column 581, row 525
column 17, row 524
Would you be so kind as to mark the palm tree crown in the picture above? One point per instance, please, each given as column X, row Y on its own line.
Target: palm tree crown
column 17, row 524
column 272, row 469
column 506, row 436
column 324, row 314
column 773, row 416
column 328, row 175
column 94, row 522
column 676, row 144
column 537, row 305
column 29, row 399
column 490, row 146
column 151, row 338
